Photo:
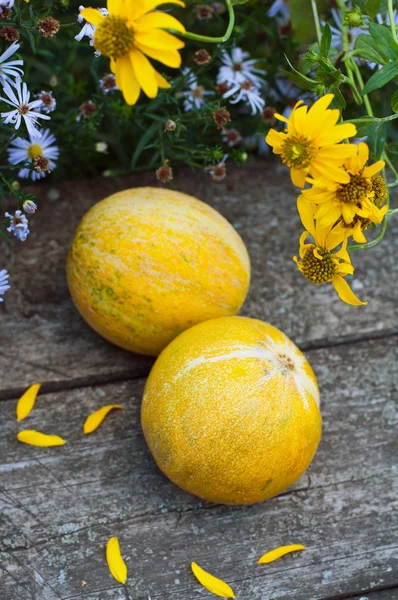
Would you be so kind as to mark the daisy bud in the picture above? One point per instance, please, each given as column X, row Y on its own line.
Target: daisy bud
column 53, row 81
column 222, row 88
column 268, row 115
column 202, row 57
column 87, row 109
column 170, row 125
column 240, row 156
column 41, row 164
column 165, row 173
column 16, row 185
column 29, row 207
column 48, row 27
column 354, row 18
column 9, row 33
column 204, row 12
column 221, row 117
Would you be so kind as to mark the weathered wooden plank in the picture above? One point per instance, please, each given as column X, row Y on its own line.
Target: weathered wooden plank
column 44, row 339
column 59, row 506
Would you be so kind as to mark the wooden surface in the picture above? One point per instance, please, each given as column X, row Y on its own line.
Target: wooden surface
column 59, row 506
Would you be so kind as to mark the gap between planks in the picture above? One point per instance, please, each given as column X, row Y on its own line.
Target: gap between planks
column 141, row 371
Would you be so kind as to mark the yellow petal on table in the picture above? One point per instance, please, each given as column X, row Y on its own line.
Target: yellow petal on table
column 115, row 561
column 35, row 438
column 27, row 401
column 94, row 420
column 278, row 552
column 211, row 583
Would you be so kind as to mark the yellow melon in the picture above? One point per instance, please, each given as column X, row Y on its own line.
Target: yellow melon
column 231, row 411
column 148, row 263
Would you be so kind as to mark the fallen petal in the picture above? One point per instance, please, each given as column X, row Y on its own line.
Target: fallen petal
column 211, row 583
column 35, row 438
column 94, row 420
column 27, row 401
column 115, row 561
column 278, row 552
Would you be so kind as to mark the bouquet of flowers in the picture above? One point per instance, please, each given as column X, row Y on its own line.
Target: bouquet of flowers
column 147, row 85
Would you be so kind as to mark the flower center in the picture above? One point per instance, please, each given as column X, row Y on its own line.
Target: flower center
column 24, row 109
column 316, row 270
column 198, row 92
column 298, row 152
column 355, row 191
column 380, row 189
column 113, row 37
column 237, row 67
column 34, row 151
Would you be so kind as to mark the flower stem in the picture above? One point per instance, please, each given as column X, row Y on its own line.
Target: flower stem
column 214, row 40
column 389, row 214
column 392, row 21
column 316, row 20
column 366, row 100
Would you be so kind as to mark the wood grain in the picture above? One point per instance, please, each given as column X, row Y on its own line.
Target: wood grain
column 59, row 506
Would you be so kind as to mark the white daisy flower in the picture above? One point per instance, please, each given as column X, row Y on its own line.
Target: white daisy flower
column 248, row 93
column 10, row 69
column 4, row 285
column 26, row 151
column 108, row 83
column 195, row 97
column 385, row 19
column 23, row 108
column 18, row 224
column 6, row 4
column 48, row 102
column 281, row 8
column 88, row 30
column 237, row 69
column 232, row 137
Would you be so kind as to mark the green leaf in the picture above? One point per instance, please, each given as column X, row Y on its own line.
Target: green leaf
column 31, row 40
column 379, row 79
column 144, row 140
column 312, row 85
column 377, row 140
column 326, row 40
column 373, row 7
column 298, row 81
column 366, row 129
column 384, row 40
column 367, row 48
column 338, row 100
column 302, row 19
column 394, row 101
column 233, row 2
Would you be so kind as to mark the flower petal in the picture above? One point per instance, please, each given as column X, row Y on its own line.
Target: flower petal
column 115, row 561
column 93, row 16
column 94, row 420
column 278, row 552
column 211, row 583
column 159, row 20
column 27, row 401
column 345, row 292
column 35, row 438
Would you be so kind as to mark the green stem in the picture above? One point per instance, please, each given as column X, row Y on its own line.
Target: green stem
column 346, row 49
column 366, row 100
column 389, row 214
column 214, row 40
column 391, row 166
column 392, row 21
column 316, row 20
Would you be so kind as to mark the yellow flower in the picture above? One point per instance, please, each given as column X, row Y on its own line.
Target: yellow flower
column 318, row 263
column 309, row 145
column 131, row 32
column 355, row 201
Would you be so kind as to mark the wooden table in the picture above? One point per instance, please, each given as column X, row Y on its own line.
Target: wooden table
column 59, row 506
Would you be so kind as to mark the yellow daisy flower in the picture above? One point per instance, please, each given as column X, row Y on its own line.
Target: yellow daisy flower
column 131, row 32
column 318, row 263
column 309, row 145
column 355, row 200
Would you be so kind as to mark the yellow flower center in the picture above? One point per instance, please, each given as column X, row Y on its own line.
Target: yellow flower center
column 315, row 269
column 355, row 191
column 298, row 152
column 34, row 151
column 380, row 189
column 113, row 37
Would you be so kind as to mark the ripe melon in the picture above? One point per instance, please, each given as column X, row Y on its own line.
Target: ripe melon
column 148, row 263
column 231, row 411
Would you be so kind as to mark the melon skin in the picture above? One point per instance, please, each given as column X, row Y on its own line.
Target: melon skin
column 230, row 411
column 147, row 263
